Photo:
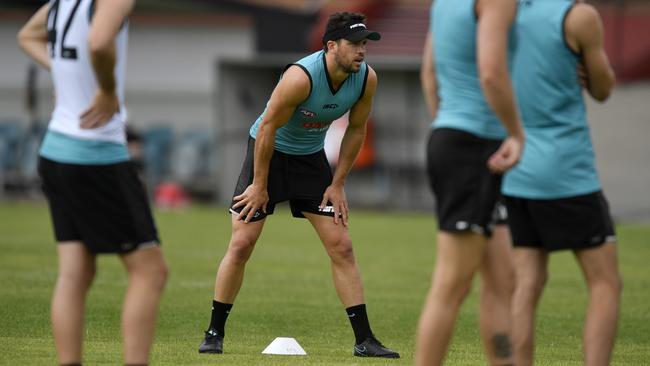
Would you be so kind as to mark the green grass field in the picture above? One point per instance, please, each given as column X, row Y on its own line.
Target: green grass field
column 288, row 292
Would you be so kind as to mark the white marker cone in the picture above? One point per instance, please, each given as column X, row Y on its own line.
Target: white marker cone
column 284, row 346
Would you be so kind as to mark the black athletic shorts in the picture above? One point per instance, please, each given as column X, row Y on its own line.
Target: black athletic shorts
column 466, row 192
column 299, row 179
column 569, row 223
column 103, row 206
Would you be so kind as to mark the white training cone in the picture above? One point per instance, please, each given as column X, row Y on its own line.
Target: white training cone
column 284, row 346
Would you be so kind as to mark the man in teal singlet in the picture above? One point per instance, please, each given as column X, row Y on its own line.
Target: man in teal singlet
column 476, row 136
column 553, row 195
column 286, row 162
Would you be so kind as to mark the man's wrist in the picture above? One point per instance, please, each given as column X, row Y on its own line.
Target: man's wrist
column 518, row 133
column 108, row 92
column 259, row 185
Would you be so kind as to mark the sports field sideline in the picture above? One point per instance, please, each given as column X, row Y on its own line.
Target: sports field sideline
column 288, row 292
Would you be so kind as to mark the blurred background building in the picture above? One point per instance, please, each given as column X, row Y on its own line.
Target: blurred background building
column 201, row 71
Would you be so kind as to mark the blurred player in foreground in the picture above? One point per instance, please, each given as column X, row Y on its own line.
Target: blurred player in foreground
column 97, row 203
column 466, row 83
column 553, row 196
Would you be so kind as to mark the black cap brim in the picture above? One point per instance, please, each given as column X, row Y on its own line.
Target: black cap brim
column 363, row 34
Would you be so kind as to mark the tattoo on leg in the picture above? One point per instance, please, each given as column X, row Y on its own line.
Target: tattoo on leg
column 501, row 344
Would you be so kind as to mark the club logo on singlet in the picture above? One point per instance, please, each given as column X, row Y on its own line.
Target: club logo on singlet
column 307, row 113
column 330, row 106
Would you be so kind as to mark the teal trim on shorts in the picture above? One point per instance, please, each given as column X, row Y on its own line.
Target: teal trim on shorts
column 66, row 149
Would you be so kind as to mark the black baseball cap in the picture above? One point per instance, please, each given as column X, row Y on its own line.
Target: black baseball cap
column 353, row 31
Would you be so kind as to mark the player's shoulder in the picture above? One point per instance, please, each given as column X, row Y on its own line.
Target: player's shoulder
column 492, row 7
column 295, row 83
column 583, row 16
column 296, row 74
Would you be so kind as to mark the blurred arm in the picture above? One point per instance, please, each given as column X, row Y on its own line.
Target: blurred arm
column 106, row 23
column 584, row 30
column 428, row 76
column 495, row 17
column 32, row 37
column 495, row 20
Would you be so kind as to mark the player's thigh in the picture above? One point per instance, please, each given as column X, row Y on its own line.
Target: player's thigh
column 530, row 267
column 497, row 266
column 330, row 233
column 245, row 233
column 76, row 262
column 458, row 257
column 148, row 260
column 600, row 263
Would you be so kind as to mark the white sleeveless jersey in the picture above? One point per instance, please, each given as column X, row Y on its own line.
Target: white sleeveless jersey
column 75, row 85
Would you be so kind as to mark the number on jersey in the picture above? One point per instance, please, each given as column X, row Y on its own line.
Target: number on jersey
column 65, row 52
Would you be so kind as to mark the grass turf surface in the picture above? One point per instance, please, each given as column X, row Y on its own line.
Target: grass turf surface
column 288, row 292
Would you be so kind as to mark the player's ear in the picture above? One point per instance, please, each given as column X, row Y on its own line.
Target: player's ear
column 332, row 45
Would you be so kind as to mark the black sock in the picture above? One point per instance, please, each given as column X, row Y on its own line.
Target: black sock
column 359, row 320
column 220, row 313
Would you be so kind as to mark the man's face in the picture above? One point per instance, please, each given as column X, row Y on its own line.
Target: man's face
column 350, row 55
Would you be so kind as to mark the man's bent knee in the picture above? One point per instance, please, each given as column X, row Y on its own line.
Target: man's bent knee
column 341, row 251
column 78, row 278
column 452, row 290
column 155, row 274
column 162, row 274
column 240, row 249
column 532, row 284
column 612, row 284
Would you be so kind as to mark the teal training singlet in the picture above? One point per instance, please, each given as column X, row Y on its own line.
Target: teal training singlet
column 305, row 131
column 462, row 103
column 558, row 158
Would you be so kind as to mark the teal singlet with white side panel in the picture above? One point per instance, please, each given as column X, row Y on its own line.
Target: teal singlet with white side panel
column 305, row 131
column 558, row 159
column 462, row 103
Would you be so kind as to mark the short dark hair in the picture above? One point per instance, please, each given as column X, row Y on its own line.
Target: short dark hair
column 338, row 20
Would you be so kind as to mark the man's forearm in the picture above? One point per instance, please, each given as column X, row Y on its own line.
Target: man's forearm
column 600, row 84
column 350, row 147
column 432, row 101
column 103, row 61
column 427, row 79
column 264, row 147
column 37, row 50
column 500, row 96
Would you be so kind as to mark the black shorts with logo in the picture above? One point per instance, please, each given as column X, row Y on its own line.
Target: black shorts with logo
column 568, row 223
column 466, row 192
column 103, row 206
column 299, row 179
